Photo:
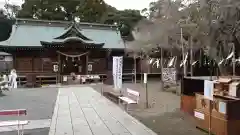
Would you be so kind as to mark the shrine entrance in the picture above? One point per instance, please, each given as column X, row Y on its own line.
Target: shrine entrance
column 73, row 63
column 73, row 52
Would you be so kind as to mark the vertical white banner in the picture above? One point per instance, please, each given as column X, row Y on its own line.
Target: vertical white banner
column 145, row 78
column 117, row 72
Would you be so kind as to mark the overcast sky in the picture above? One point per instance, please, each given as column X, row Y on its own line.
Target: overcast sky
column 119, row 4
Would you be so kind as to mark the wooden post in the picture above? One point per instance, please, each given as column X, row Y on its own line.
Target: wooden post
column 86, row 64
column 161, row 62
column 148, row 64
column 141, row 66
column 183, row 55
column 234, row 61
column 210, row 113
column 59, row 69
column 135, row 69
column 146, row 89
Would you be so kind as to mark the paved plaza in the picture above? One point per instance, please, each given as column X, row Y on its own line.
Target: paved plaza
column 83, row 111
column 39, row 103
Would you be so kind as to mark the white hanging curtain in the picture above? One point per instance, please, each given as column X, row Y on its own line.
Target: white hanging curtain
column 172, row 61
column 238, row 61
column 221, row 62
column 185, row 60
column 194, row 63
column 157, row 62
column 151, row 60
column 231, row 53
column 230, row 56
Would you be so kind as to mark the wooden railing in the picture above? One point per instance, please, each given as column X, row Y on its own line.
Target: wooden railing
column 45, row 78
column 41, row 80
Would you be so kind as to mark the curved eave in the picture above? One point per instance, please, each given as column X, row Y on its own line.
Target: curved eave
column 73, row 26
column 70, row 39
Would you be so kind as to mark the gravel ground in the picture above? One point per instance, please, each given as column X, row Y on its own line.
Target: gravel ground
column 164, row 115
column 39, row 102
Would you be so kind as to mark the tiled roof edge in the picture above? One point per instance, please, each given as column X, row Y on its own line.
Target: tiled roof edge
column 26, row 21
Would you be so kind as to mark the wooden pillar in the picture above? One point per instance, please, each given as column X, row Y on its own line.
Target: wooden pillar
column 135, row 69
column 108, row 58
column 59, row 69
column 15, row 61
column 32, row 64
column 161, row 63
column 86, row 64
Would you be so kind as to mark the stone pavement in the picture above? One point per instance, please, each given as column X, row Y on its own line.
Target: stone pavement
column 33, row 124
column 83, row 111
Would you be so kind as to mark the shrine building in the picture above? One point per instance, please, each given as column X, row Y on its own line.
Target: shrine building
column 57, row 48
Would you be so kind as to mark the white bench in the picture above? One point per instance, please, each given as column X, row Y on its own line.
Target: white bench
column 132, row 98
column 19, row 123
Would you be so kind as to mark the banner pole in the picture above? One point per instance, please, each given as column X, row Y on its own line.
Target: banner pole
column 210, row 113
column 146, row 89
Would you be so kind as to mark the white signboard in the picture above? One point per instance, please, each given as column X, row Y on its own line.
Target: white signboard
column 233, row 88
column 8, row 58
column 78, row 77
column 65, row 78
column 208, row 89
column 55, row 68
column 145, row 78
column 117, row 72
column 89, row 67
column 169, row 75
column 199, row 115
column 222, row 107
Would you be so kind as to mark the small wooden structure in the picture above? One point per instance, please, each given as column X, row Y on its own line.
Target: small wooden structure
column 223, row 112
column 224, row 108
column 190, row 86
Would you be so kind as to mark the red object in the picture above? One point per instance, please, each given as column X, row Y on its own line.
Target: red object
column 188, row 104
column 14, row 112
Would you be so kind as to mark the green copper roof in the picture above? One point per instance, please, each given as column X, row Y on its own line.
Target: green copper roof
column 72, row 34
column 68, row 39
column 32, row 32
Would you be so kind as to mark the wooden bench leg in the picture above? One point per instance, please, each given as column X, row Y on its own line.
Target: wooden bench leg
column 18, row 129
column 126, row 107
column 22, row 130
column 119, row 101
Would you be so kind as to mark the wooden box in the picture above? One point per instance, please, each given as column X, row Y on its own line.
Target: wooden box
column 188, row 104
column 234, row 89
column 201, row 103
column 219, row 126
column 226, row 107
column 222, row 84
column 225, row 118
